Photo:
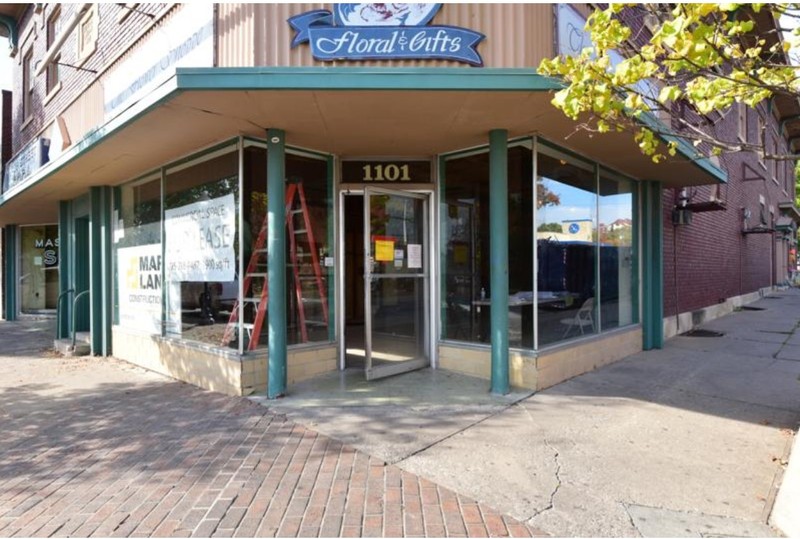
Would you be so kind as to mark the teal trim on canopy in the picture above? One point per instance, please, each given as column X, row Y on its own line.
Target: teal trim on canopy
column 362, row 78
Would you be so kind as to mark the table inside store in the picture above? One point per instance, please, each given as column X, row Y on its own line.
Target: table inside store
column 524, row 302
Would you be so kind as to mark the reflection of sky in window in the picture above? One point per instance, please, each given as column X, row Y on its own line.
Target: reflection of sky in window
column 575, row 203
column 580, row 204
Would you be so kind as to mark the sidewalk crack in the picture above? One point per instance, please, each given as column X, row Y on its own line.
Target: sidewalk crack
column 551, row 505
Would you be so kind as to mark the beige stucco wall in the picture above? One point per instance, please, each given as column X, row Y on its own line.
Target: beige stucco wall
column 206, row 368
column 216, row 370
column 551, row 366
column 302, row 364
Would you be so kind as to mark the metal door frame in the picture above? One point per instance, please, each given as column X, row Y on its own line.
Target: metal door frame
column 427, row 192
column 409, row 365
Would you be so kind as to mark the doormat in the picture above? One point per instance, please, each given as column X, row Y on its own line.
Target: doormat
column 702, row 333
column 748, row 308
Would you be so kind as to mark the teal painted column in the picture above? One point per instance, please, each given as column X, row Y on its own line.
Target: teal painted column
column 653, row 268
column 64, row 249
column 10, row 271
column 101, row 308
column 276, row 262
column 498, row 253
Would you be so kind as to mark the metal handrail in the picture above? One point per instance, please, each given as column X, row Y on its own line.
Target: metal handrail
column 74, row 313
column 58, row 308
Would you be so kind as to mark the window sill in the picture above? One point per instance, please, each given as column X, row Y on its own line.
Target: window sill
column 49, row 97
column 26, row 123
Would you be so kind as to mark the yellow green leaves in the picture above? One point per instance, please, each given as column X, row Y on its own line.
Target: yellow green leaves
column 707, row 55
column 669, row 93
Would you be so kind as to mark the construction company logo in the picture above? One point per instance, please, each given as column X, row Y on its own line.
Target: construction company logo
column 384, row 32
column 144, row 272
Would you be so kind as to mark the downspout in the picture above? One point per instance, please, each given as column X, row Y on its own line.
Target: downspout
column 675, row 277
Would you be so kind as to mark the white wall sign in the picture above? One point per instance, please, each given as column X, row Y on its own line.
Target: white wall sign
column 185, row 40
column 139, row 285
column 200, row 240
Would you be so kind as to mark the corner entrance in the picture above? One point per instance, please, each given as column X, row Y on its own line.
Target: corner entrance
column 386, row 282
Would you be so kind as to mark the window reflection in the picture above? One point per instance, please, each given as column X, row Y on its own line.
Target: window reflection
column 566, row 236
column 201, row 251
column 616, row 252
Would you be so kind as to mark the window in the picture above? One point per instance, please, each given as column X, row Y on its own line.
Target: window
column 27, row 85
column 773, row 164
column 137, row 247
column 580, row 226
column 617, row 261
column 466, row 256
column 743, row 122
column 566, row 239
column 309, row 310
column 38, row 283
column 53, row 28
column 200, row 229
column 87, row 33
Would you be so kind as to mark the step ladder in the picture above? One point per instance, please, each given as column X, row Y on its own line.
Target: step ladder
column 309, row 282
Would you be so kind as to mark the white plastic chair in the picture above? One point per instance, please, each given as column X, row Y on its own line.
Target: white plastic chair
column 583, row 318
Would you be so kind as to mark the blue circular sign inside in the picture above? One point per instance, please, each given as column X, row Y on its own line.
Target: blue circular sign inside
column 574, row 228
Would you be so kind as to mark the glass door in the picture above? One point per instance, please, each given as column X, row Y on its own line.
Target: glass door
column 396, row 282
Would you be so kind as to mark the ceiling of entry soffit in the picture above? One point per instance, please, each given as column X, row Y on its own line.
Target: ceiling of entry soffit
column 347, row 123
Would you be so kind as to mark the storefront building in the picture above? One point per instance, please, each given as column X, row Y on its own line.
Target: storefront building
column 253, row 195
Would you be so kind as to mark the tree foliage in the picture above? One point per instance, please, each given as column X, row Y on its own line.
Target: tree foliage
column 658, row 59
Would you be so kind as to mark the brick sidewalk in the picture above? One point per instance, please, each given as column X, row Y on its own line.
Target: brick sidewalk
column 160, row 458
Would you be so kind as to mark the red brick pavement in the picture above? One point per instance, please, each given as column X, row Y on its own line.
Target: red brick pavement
column 166, row 459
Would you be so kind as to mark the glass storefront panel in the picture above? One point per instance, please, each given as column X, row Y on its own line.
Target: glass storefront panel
column 137, row 255
column 308, row 249
column 465, row 239
column 38, row 280
column 566, row 239
column 520, row 246
column 201, row 247
column 465, row 248
column 617, row 261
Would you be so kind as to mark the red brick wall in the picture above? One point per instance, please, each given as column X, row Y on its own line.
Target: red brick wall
column 113, row 38
column 714, row 259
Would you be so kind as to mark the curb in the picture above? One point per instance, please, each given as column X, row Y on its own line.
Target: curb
column 785, row 516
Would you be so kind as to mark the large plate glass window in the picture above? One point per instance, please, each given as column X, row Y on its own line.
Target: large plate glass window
column 38, row 277
column 566, row 241
column 466, row 294
column 136, row 229
column 617, row 252
column 308, row 245
column 201, row 245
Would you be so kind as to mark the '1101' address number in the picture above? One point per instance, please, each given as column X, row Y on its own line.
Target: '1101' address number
column 385, row 173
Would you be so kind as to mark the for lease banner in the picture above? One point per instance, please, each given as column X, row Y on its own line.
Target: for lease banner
column 200, row 239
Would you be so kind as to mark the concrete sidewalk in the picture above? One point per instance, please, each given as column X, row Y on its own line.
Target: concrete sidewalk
column 690, row 440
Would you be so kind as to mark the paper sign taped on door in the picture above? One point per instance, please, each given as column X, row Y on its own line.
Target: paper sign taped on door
column 384, row 250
